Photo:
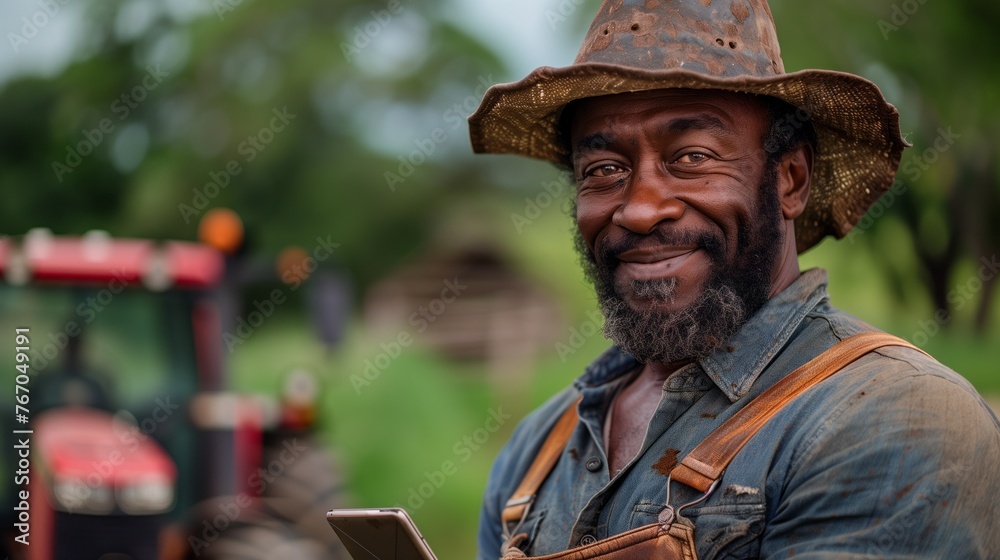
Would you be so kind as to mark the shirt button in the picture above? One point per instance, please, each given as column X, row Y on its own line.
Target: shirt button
column 594, row 464
column 588, row 540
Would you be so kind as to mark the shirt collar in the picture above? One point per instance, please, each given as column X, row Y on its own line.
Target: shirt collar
column 736, row 366
column 610, row 365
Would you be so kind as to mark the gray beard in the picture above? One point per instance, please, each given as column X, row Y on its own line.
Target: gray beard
column 692, row 333
column 734, row 291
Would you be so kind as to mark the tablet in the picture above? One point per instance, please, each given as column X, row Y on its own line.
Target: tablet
column 379, row 534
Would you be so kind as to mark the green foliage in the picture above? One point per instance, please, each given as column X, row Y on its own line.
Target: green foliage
column 929, row 60
column 204, row 133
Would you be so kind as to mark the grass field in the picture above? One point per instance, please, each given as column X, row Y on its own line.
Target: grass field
column 415, row 437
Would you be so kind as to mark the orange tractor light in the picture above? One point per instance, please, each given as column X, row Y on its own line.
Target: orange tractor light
column 223, row 229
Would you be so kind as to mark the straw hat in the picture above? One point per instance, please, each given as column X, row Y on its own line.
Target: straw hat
column 639, row 45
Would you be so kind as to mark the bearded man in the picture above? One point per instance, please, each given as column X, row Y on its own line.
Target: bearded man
column 738, row 414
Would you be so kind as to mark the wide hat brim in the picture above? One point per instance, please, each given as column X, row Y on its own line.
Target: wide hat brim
column 858, row 141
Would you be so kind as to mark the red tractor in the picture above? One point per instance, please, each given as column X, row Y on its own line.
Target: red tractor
column 126, row 442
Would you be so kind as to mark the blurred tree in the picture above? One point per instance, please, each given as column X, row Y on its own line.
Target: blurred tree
column 292, row 114
column 167, row 112
column 930, row 60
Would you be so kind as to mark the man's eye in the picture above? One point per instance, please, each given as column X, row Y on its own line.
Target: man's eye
column 693, row 157
column 603, row 170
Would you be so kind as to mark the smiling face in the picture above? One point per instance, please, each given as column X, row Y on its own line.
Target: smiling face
column 678, row 214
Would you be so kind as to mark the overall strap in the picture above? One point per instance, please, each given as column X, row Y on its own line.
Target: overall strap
column 704, row 465
column 545, row 460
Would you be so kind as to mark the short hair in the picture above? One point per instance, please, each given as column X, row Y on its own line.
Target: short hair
column 790, row 127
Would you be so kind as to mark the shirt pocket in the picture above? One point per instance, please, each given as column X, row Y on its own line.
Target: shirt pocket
column 530, row 528
column 644, row 513
column 728, row 529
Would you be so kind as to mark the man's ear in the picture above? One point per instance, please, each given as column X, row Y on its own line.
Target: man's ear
column 794, row 171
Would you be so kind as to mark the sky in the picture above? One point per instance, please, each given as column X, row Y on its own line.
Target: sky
column 526, row 33
column 47, row 49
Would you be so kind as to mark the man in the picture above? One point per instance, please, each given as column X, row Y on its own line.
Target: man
column 702, row 171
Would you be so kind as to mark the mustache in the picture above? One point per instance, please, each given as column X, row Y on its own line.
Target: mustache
column 608, row 249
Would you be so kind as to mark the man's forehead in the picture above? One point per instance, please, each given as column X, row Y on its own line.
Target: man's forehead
column 597, row 119
column 726, row 104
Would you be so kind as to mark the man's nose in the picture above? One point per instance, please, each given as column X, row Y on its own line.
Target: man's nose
column 649, row 199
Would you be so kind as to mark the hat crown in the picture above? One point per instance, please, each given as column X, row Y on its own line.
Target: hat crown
column 722, row 38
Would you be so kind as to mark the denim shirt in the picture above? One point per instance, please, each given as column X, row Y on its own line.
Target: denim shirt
column 895, row 456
